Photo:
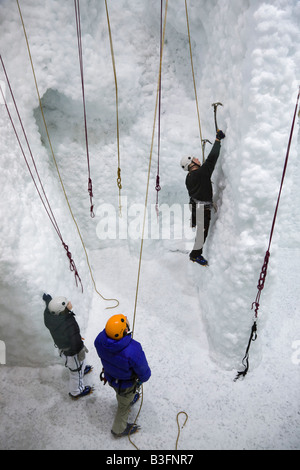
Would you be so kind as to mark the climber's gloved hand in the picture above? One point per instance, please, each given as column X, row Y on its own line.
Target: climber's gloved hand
column 47, row 298
column 220, row 135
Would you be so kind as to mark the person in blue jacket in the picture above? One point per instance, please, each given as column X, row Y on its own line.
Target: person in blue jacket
column 125, row 368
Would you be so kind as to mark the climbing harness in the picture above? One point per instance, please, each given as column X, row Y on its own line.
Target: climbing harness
column 56, row 166
column 119, row 183
column 78, row 28
column 41, row 192
column 194, row 81
column 263, row 273
column 102, row 377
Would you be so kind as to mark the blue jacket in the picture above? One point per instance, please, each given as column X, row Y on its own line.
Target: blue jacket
column 124, row 361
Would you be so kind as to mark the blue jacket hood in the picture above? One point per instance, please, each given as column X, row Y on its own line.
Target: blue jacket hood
column 105, row 344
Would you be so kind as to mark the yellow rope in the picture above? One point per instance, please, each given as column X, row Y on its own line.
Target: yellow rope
column 117, row 106
column 142, row 399
column 145, row 207
column 149, row 170
column 194, row 81
column 143, row 231
column 146, row 199
column 54, row 159
column 186, row 418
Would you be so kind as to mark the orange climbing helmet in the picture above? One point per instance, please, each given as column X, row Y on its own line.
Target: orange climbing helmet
column 116, row 326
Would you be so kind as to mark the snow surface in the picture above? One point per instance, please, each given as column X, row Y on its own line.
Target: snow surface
column 194, row 323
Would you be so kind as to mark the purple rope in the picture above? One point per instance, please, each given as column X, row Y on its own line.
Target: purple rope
column 78, row 28
column 157, row 186
column 44, row 201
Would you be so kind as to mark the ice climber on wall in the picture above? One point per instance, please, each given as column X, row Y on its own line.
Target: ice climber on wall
column 199, row 187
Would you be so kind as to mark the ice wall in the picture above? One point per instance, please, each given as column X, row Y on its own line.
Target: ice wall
column 252, row 65
column 245, row 55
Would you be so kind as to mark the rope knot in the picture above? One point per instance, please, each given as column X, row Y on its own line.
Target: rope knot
column 262, row 277
column 256, row 304
column 90, row 190
column 157, row 186
column 72, row 265
column 90, row 187
column 119, row 179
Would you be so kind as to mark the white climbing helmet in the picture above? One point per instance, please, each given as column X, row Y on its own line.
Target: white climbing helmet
column 185, row 162
column 58, row 305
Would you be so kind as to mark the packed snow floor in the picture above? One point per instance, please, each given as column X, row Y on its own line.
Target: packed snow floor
column 259, row 412
column 190, row 322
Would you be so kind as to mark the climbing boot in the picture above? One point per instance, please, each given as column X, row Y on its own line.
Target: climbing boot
column 131, row 428
column 87, row 391
column 200, row 260
column 87, row 370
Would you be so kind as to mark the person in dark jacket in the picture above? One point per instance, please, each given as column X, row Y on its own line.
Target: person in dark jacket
column 125, row 368
column 198, row 184
column 65, row 332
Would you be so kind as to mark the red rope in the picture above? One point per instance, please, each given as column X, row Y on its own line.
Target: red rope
column 263, row 273
column 78, row 28
column 44, row 201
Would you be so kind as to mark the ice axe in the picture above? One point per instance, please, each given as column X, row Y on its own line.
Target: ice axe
column 215, row 105
column 204, row 141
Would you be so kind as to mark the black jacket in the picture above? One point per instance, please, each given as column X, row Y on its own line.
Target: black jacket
column 65, row 331
column 198, row 182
